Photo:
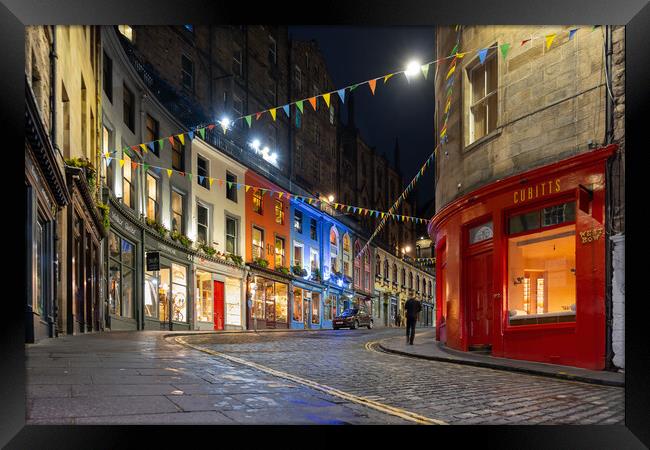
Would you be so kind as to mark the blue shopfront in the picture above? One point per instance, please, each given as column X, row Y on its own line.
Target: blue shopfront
column 307, row 305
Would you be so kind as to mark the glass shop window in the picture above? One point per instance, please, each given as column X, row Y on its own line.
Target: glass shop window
column 179, row 293
column 297, row 305
column 541, row 266
column 204, row 299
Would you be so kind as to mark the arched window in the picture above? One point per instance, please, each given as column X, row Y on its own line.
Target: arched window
column 334, row 249
column 386, row 269
column 394, row 273
column 366, row 270
column 377, row 265
column 410, row 280
column 417, row 283
column 430, row 291
column 403, row 277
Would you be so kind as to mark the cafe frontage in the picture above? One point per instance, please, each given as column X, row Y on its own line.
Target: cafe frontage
column 521, row 265
column 268, row 299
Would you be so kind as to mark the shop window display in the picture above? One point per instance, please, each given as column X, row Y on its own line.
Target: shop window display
column 150, row 295
column 297, row 305
column 315, row 308
column 179, row 293
column 233, row 304
column 541, row 267
column 204, row 299
column 121, row 276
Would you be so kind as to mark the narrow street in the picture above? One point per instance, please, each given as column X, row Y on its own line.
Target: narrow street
column 320, row 377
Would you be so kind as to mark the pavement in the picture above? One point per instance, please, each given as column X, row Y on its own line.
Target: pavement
column 426, row 347
column 313, row 377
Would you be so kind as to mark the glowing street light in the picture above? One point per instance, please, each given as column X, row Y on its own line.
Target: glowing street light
column 330, row 198
column 413, row 69
column 255, row 144
column 407, row 249
column 225, row 123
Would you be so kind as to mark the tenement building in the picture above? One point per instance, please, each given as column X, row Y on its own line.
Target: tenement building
column 529, row 204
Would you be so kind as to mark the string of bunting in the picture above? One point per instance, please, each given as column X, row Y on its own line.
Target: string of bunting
column 399, row 200
column 280, row 194
column 299, row 106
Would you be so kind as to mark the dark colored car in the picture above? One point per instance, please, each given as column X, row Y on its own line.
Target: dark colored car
column 352, row 318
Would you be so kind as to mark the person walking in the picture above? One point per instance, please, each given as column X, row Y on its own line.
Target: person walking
column 412, row 307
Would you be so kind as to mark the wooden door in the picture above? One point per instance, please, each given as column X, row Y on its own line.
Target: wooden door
column 479, row 286
column 218, row 293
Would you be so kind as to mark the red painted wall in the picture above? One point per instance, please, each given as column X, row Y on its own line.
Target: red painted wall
column 581, row 343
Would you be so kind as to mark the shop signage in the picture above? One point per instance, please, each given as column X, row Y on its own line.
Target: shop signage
column 591, row 235
column 153, row 261
column 536, row 191
column 123, row 223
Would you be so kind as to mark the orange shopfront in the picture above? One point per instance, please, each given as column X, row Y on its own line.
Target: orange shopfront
column 521, row 265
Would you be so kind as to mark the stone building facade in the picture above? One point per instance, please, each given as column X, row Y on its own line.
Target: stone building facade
column 542, row 103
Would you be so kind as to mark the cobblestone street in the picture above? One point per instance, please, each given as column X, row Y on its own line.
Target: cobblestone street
column 130, row 378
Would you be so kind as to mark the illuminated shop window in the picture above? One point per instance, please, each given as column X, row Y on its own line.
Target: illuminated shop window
column 257, row 201
column 541, row 266
column 204, row 299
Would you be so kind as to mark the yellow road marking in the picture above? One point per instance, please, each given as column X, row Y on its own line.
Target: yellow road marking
column 392, row 410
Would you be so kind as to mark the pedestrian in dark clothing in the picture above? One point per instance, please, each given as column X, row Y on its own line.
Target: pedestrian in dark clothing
column 412, row 307
column 398, row 320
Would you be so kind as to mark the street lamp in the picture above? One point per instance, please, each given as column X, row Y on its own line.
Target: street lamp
column 330, row 198
column 225, row 123
column 412, row 69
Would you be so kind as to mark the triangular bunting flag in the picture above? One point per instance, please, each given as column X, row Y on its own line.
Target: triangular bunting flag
column 211, row 126
column 326, row 97
column 229, row 184
column 549, row 40
column 452, row 69
column 341, row 93
column 121, row 163
column 482, row 54
column 220, row 183
column 201, row 178
column 249, row 120
column 246, row 187
column 425, row 70
column 299, row 105
column 171, row 140
column 313, row 102
column 287, row 110
column 181, row 137
column 211, row 180
column 108, row 160
column 144, row 148
column 224, row 126
column 524, row 42
column 504, row 49
column 201, row 132
column 134, row 165
column 145, row 166
column 189, row 175
column 572, row 33
column 169, row 172
column 273, row 113
column 372, row 84
column 354, row 87
column 190, row 134
column 258, row 115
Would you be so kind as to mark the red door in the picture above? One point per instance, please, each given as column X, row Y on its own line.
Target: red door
column 479, row 285
column 218, row 305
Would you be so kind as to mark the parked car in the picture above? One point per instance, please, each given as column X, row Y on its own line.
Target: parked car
column 352, row 318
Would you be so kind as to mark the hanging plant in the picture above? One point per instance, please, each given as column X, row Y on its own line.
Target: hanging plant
column 185, row 241
column 104, row 208
column 236, row 259
column 261, row 262
column 207, row 249
column 283, row 270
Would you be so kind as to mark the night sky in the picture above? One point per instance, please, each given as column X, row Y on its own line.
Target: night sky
column 399, row 109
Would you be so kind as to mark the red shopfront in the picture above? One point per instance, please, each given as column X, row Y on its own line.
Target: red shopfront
column 521, row 265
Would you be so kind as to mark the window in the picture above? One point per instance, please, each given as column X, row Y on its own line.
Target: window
column 313, row 232
column 273, row 58
column 129, row 108
column 107, row 80
column 258, row 243
column 232, row 243
column 334, row 249
column 417, row 283
column 410, row 280
column 203, row 172
column 153, row 133
column 403, row 277
column 297, row 305
column 178, row 222
column 205, row 300
column 128, row 188
column 297, row 221
column 394, row 273
column 153, row 209
column 542, row 266
column 483, row 80
column 386, row 269
column 357, row 265
column 178, row 156
column 121, row 276
column 297, row 254
column 257, row 201
column 202, row 223
column 480, row 233
column 187, row 73
column 179, row 293
column 279, row 212
column 231, row 187
column 347, row 249
column 298, row 80
column 279, row 252
column 127, row 32
column 236, row 62
column 377, row 266
column 366, row 271
column 314, row 257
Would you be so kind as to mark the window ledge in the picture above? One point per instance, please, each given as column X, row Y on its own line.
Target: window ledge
column 488, row 137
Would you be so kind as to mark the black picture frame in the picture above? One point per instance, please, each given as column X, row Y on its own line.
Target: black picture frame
column 635, row 14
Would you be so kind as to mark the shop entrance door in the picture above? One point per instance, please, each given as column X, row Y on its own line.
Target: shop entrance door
column 164, row 297
column 306, row 309
column 479, row 287
column 218, row 305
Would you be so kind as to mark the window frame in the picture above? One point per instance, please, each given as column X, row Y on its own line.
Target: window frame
column 262, row 242
column 472, row 104
column 235, row 236
column 200, row 204
column 232, row 189
column 206, row 177
column 297, row 212
column 156, row 200
column 282, row 254
column 279, row 207
column 154, row 133
column 185, row 73
column 173, row 213
column 128, row 93
column 258, row 197
column 178, row 150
